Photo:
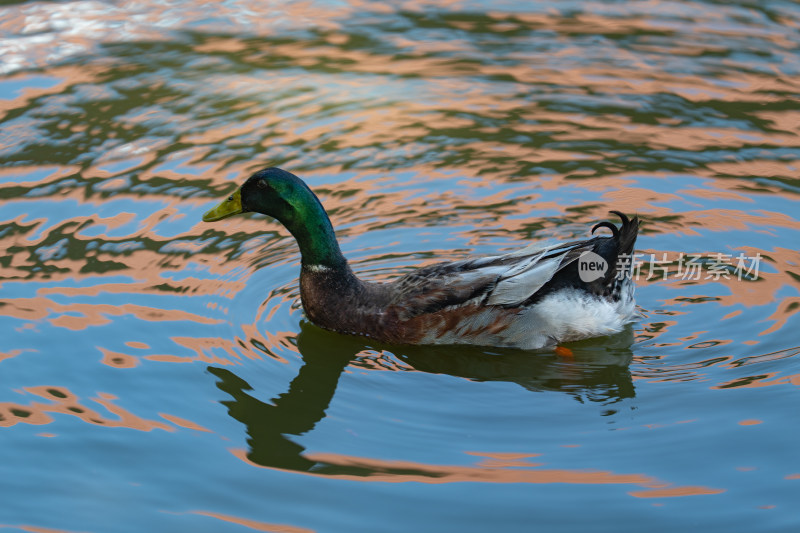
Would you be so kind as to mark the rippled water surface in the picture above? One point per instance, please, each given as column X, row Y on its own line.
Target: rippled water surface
column 157, row 372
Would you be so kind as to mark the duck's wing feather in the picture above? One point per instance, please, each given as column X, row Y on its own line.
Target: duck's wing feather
column 504, row 280
column 523, row 280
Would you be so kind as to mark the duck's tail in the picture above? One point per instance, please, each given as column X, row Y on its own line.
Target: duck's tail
column 627, row 233
column 624, row 235
column 624, row 238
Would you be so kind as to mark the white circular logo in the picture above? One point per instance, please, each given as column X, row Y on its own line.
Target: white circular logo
column 591, row 266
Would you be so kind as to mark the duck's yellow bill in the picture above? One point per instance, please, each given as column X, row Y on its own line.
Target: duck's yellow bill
column 230, row 206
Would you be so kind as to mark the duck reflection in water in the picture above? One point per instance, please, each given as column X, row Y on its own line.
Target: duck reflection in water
column 597, row 370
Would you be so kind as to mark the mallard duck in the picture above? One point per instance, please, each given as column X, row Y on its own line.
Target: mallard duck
column 529, row 299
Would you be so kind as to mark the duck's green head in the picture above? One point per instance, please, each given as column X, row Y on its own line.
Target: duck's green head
column 284, row 196
column 272, row 192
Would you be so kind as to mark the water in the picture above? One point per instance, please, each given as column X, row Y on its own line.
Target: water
column 157, row 372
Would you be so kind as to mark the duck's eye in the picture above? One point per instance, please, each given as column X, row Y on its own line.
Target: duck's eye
column 262, row 184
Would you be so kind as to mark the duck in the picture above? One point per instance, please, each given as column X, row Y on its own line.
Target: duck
column 536, row 297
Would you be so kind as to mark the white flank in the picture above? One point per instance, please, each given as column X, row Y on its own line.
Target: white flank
column 566, row 315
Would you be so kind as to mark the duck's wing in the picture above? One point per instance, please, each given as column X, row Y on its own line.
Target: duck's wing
column 504, row 280
column 523, row 280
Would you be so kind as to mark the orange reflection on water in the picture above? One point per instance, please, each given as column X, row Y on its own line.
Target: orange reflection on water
column 13, row 353
column 44, row 174
column 204, row 346
column 137, row 344
column 63, row 401
column 407, row 471
column 768, row 379
column 764, row 169
column 672, row 492
column 117, row 359
column 762, row 379
column 154, row 282
column 182, row 422
column 786, row 309
column 66, row 74
column 34, row 529
column 254, row 524
column 506, row 460
column 750, row 422
column 85, row 315
column 786, row 120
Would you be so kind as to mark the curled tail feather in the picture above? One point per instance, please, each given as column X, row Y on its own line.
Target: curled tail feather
column 626, row 235
column 624, row 238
